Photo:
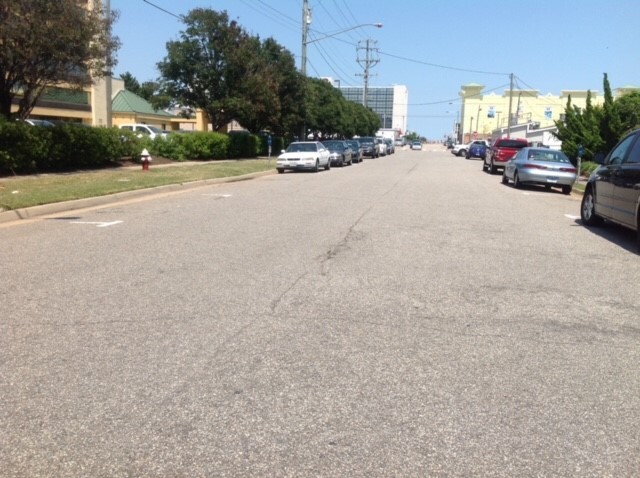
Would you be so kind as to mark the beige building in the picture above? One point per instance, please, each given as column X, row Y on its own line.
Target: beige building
column 485, row 115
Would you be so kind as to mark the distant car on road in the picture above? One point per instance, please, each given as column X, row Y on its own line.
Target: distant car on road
column 417, row 145
column 310, row 155
column 357, row 150
column 340, row 153
column 502, row 151
column 541, row 166
column 477, row 149
column 459, row 149
column 369, row 147
column 613, row 190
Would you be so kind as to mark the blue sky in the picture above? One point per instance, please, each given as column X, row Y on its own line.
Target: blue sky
column 431, row 46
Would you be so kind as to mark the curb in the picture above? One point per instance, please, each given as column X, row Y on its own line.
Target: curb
column 59, row 207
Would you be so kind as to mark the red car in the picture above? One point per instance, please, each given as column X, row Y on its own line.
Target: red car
column 502, row 151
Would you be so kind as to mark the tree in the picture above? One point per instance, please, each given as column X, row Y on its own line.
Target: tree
column 210, row 66
column 130, row 83
column 628, row 110
column 611, row 125
column 45, row 44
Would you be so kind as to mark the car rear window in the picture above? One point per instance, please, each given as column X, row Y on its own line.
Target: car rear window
column 511, row 143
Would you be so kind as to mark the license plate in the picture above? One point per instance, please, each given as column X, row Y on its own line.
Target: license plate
column 552, row 179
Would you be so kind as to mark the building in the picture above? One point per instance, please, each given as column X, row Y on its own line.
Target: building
column 486, row 115
column 390, row 103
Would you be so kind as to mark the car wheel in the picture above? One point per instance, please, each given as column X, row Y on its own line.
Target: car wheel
column 587, row 209
column 516, row 181
column 492, row 168
column 317, row 168
column 280, row 170
column 327, row 166
column 484, row 165
column 505, row 179
column 566, row 189
column 462, row 152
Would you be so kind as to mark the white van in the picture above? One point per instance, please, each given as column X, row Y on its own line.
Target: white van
column 145, row 130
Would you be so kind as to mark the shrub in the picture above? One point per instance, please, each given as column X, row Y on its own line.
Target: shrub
column 243, row 145
column 196, row 145
column 587, row 167
column 23, row 148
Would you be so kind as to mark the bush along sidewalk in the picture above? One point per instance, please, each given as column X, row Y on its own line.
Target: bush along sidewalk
column 26, row 149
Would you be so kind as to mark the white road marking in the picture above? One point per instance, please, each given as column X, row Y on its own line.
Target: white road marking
column 571, row 216
column 97, row 223
column 218, row 195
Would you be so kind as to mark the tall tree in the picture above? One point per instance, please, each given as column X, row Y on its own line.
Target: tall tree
column 50, row 43
column 130, row 82
column 209, row 66
column 610, row 124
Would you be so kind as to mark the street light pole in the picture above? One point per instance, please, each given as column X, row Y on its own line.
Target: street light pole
column 306, row 21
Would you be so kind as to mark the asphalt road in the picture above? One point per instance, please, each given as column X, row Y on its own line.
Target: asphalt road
column 408, row 316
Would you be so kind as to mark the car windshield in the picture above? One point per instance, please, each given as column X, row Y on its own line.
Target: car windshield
column 302, row 148
column 155, row 129
column 366, row 140
column 334, row 146
column 547, row 155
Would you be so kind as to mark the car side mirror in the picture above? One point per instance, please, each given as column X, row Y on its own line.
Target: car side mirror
column 282, row 151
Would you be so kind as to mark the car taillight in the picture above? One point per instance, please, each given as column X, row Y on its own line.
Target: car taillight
column 568, row 170
column 534, row 166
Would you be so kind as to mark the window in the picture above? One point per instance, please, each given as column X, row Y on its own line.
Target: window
column 634, row 154
column 617, row 154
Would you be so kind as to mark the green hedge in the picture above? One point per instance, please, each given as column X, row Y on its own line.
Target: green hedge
column 28, row 149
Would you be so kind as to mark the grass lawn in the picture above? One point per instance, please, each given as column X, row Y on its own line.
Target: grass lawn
column 26, row 191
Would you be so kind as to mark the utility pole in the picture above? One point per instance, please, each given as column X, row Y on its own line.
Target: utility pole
column 367, row 63
column 306, row 21
column 510, row 101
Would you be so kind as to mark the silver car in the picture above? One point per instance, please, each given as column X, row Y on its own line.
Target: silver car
column 543, row 166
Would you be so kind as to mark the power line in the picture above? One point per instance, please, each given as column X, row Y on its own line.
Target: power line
column 179, row 17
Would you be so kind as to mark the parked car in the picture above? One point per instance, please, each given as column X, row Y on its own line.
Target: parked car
column 310, row 155
column 369, row 147
column 477, row 149
column 39, row 122
column 501, row 152
column 459, row 149
column 382, row 147
column 391, row 148
column 613, row 190
column 357, row 150
column 142, row 130
column 340, row 153
column 416, row 145
column 542, row 166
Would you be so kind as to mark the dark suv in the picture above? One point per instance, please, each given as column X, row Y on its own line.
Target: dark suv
column 613, row 190
column 501, row 152
column 369, row 147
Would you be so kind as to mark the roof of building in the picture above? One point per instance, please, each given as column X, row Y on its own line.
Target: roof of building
column 128, row 102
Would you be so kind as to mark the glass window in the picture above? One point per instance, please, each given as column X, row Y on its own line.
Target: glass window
column 618, row 153
column 634, row 154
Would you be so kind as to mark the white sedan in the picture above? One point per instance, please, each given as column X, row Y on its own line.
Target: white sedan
column 310, row 155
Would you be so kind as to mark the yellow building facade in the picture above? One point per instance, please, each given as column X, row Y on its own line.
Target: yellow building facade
column 485, row 115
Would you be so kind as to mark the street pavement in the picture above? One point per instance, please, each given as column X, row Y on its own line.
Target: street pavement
column 407, row 316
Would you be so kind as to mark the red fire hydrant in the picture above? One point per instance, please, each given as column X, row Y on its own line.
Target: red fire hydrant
column 146, row 159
